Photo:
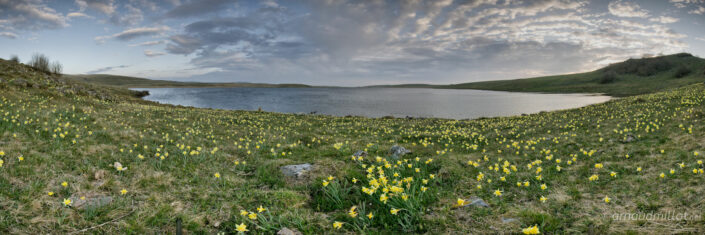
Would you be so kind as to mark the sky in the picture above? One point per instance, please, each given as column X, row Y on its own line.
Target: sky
column 347, row 42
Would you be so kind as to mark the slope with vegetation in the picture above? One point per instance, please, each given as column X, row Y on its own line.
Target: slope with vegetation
column 85, row 158
column 631, row 77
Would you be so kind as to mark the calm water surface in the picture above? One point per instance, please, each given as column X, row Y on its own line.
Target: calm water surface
column 373, row 102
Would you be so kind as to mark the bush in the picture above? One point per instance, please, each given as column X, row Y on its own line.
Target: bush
column 14, row 58
column 40, row 62
column 682, row 72
column 608, row 77
column 56, row 67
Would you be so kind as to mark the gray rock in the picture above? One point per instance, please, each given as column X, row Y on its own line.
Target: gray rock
column 287, row 231
column 509, row 220
column 20, row 82
column 477, row 202
column 397, row 151
column 630, row 138
column 295, row 170
column 360, row 153
column 90, row 201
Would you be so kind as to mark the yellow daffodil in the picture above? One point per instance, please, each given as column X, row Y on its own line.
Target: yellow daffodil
column 337, row 225
column 531, row 230
column 241, row 228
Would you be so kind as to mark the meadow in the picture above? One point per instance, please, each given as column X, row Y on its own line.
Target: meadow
column 84, row 158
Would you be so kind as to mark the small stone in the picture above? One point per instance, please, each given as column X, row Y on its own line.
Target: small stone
column 287, row 231
column 509, row 220
column 295, row 170
column 360, row 153
column 397, row 151
column 477, row 202
column 90, row 201
column 630, row 138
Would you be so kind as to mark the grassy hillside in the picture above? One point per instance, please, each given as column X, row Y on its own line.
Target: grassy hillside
column 133, row 82
column 570, row 171
column 631, row 77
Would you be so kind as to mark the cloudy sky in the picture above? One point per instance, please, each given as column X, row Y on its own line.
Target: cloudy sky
column 346, row 42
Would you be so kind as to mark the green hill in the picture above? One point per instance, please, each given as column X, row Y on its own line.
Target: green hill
column 631, row 77
column 134, row 82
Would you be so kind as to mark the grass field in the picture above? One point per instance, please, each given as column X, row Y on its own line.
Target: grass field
column 217, row 171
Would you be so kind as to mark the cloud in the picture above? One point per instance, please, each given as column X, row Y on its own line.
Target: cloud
column 9, row 35
column 29, row 15
column 132, row 16
column 133, row 33
column 149, row 43
column 106, row 69
column 627, row 9
column 77, row 15
column 105, row 6
column 700, row 10
column 415, row 40
column 664, row 19
column 196, row 8
column 153, row 53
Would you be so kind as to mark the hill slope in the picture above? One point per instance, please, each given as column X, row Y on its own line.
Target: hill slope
column 631, row 77
column 134, row 82
column 569, row 171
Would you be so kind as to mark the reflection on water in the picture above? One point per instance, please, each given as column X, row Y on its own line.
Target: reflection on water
column 373, row 102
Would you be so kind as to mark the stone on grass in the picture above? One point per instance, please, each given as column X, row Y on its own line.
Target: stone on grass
column 287, row 231
column 90, row 201
column 476, row 202
column 360, row 153
column 629, row 138
column 295, row 170
column 397, row 151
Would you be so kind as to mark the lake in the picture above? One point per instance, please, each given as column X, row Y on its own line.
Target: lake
column 373, row 102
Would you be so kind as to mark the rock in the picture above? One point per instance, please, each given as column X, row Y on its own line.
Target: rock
column 90, row 201
column 630, row 138
column 360, row 153
column 509, row 220
column 397, row 151
column 295, row 170
column 287, row 231
column 477, row 202
column 140, row 94
column 20, row 82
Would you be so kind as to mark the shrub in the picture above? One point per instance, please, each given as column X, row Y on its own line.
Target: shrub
column 40, row 62
column 608, row 77
column 14, row 58
column 682, row 72
column 56, row 68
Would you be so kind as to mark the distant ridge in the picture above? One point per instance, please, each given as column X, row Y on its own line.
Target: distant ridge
column 630, row 77
column 135, row 82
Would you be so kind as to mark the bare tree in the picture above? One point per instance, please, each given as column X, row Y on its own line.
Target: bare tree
column 56, row 68
column 40, row 62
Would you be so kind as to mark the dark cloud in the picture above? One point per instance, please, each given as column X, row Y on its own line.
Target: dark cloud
column 106, row 69
column 134, row 33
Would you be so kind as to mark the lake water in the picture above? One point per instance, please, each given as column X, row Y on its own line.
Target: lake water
column 373, row 102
